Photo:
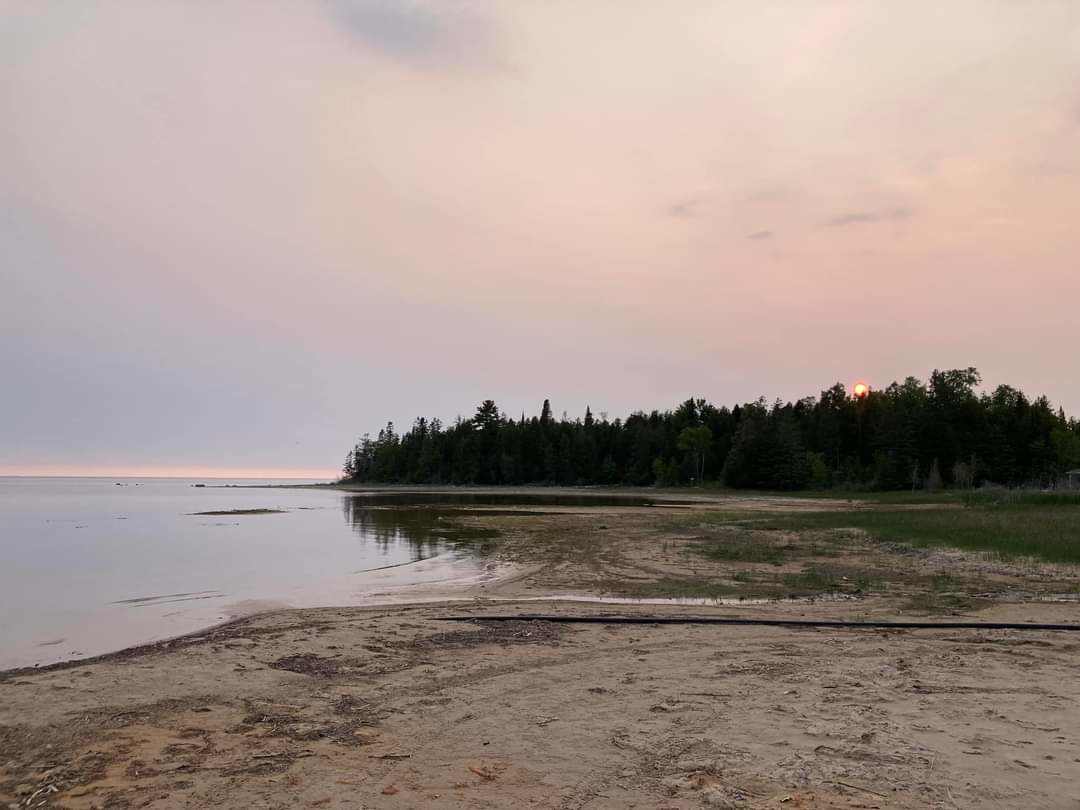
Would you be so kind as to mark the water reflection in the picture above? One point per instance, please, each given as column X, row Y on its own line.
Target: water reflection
column 515, row 498
column 427, row 522
column 423, row 530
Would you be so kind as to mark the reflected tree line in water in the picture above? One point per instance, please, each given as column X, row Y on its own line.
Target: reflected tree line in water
column 425, row 531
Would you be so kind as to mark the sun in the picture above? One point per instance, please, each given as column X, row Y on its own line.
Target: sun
column 861, row 390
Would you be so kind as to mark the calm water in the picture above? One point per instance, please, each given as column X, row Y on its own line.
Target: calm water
column 88, row 566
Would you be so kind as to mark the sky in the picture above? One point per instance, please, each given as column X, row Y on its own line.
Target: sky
column 235, row 236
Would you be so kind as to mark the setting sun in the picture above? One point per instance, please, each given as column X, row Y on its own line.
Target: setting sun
column 860, row 390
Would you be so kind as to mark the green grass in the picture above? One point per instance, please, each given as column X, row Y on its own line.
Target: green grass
column 812, row 581
column 869, row 496
column 1020, row 497
column 830, row 579
column 976, row 497
column 933, row 603
column 673, row 588
column 1050, row 533
column 902, row 497
column 741, row 548
column 761, row 548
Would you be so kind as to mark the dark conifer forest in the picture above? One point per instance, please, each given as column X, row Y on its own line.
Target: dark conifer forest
column 910, row 435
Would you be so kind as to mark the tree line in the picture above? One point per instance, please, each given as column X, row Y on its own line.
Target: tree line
column 911, row 434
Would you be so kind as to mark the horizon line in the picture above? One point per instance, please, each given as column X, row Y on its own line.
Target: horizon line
column 174, row 473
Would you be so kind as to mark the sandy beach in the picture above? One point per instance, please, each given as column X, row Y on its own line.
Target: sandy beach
column 393, row 706
column 572, row 406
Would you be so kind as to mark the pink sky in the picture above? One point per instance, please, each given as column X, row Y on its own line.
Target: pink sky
column 234, row 237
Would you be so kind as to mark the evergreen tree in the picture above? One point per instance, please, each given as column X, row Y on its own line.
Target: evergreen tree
column 907, row 434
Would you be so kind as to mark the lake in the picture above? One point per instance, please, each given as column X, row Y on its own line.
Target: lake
column 90, row 565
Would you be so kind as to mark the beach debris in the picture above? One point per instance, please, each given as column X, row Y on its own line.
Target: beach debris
column 863, row 789
column 488, row 773
column 308, row 664
column 510, row 633
column 390, row 790
column 42, row 792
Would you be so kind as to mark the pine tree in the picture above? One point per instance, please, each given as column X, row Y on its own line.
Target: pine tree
column 883, row 440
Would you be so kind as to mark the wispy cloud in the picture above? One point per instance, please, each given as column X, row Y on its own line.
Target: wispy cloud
column 869, row 217
column 770, row 194
column 760, row 235
column 423, row 34
column 685, row 209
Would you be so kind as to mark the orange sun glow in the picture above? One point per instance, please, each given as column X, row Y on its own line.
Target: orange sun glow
column 861, row 389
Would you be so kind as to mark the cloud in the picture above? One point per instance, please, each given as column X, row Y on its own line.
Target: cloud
column 685, row 209
column 423, row 34
column 760, row 235
column 869, row 217
column 770, row 194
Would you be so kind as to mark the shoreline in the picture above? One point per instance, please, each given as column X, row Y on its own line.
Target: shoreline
column 559, row 605
column 133, row 651
column 397, row 584
column 703, row 688
column 397, row 706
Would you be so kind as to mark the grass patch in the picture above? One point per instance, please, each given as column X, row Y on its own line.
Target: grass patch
column 812, row 581
column 741, row 548
column 1020, row 497
column 825, row 579
column 740, row 538
column 933, row 603
column 901, row 497
column 946, row 583
column 1051, row 533
column 672, row 588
